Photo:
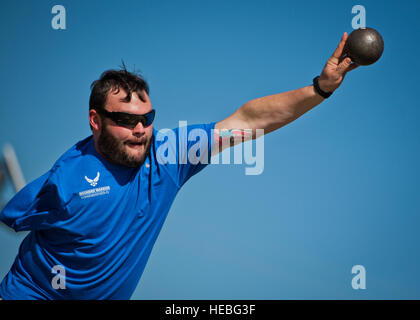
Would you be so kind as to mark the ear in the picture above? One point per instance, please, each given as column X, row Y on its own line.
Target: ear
column 95, row 120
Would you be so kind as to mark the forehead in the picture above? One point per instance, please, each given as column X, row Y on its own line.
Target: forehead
column 115, row 102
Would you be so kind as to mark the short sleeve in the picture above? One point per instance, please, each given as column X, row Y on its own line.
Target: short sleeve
column 185, row 151
column 37, row 206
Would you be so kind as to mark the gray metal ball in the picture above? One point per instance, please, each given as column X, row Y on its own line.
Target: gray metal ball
column 364, row 46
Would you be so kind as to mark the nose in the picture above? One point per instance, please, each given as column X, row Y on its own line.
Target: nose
column 139, row 130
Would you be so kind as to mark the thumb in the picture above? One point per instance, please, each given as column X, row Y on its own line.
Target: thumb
column 344, row 65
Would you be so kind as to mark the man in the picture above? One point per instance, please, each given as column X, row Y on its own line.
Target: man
column 95, row 216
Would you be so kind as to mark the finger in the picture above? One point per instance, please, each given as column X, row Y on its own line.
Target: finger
column 339, row 51
column 347, row 66
column 353, row 66
column 344, row 66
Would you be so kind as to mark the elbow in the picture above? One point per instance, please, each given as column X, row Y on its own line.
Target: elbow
column 264, row 117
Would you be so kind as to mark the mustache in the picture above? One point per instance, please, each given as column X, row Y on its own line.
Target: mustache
column 114, row 150
column 142, row 140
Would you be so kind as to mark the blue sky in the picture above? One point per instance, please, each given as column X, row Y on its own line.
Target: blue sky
column 340, row 184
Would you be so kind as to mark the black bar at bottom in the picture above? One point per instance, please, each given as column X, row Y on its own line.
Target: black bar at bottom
column 221, row 309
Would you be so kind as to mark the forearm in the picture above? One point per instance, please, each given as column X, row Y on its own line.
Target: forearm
column 275, row 111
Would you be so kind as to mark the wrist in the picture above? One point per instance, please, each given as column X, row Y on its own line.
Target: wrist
column 325, row 85
column 320, row 90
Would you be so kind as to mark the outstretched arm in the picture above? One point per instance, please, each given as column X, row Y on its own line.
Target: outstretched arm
column 273, row 112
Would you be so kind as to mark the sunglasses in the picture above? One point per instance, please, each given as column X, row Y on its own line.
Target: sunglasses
column 128, row 119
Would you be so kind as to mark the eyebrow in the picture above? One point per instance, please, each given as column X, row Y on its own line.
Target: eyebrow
column 133, row 114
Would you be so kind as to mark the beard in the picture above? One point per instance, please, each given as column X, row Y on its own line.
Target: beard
column 116, row 151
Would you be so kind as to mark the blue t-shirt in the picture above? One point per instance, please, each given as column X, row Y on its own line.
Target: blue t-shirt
column 93, row 223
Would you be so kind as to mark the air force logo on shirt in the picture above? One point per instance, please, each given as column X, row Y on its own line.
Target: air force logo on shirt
column 95, row 191
column 93, row 182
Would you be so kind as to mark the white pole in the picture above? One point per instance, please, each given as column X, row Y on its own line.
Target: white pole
column 13, row 167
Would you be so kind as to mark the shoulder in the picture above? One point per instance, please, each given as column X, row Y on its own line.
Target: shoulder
column 80, row 148
column 71, row 165
column 183, row 151
column 184, row 131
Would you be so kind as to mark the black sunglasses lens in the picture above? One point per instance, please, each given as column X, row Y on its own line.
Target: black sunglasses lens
column 146, row 119
column 149, row 117
column 131, row 120
column 126, row 121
